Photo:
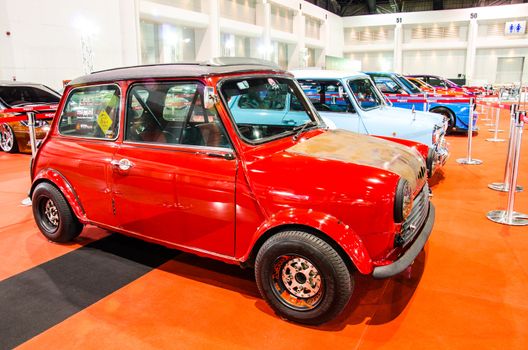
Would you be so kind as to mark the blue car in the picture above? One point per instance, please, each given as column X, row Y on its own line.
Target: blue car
column 404, row 94
column 351, row 101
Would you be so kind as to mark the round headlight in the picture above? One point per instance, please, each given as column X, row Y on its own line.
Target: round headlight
column 402, row 201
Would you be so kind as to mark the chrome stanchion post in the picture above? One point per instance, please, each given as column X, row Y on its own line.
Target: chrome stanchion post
column 504, row 186
column 32, row 136
column 469, row 160
column 509, row 216
column 33, row 143
column 491, row 109
column 496, row 124
column 495, row 137
column 485, row 115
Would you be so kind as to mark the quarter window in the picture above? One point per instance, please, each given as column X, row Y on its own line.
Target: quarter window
column 436, row 82
column 172, row 113
column 387, row 85
column 91, row 112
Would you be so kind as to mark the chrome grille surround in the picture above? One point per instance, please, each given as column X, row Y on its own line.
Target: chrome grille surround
column 416, row 219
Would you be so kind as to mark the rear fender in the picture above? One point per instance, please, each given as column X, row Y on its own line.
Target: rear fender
column 328, row 225
column 57, row 179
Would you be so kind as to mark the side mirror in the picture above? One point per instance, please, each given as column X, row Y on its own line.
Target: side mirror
column 210, row 98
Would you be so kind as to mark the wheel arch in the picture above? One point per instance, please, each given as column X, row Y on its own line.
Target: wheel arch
column 57, row 180
column 450, row 110
column 346, row 242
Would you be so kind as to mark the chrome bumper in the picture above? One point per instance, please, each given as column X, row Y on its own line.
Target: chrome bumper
column 408, row 257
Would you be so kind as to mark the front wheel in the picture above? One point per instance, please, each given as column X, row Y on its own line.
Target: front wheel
column 451, row 119
column 53, row 214
column 8, row 141
column 303, row 278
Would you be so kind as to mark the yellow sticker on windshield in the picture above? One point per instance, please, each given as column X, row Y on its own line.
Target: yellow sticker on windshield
column 104, row 121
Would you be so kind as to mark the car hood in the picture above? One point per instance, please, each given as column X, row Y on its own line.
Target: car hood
column 350, row 147
column 433, row 118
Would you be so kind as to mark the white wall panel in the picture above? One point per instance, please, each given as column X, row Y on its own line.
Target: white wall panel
column 374, row 61
column 45, row 40
column 447, row 63
column 486, row 62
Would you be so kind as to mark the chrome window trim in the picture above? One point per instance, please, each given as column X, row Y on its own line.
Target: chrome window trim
column 93, row 138
column 311, row 111
column 191, row 81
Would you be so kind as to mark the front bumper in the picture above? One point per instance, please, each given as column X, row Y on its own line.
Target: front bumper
column 437, row 157
column 411, row 253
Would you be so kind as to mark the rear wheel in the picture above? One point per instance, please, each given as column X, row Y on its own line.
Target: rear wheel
column 53, row 214
column 448, row 114
column 302, row 277
column 7, row 139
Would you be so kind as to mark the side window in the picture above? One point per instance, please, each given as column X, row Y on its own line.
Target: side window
column 91, row 112
column 436, row 82
column 327, row 96
column 387, row 85
column 172, row 113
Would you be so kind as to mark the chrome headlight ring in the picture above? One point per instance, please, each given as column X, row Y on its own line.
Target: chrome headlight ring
column 403, row 201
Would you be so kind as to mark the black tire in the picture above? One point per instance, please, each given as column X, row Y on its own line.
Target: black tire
column 53, row 214
column 329, row 286
column 8, row 141
column 451, row 118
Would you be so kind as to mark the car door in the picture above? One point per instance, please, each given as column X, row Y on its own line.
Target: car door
column 87, row 132
column 174, row 174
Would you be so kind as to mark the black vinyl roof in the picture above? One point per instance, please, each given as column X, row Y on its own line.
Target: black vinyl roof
column 178, row 70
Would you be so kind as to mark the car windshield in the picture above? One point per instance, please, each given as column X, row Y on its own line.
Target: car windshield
column 365, row 93
column 409, row 85
column 20, row 95
column 265, row 108
column 451, row 84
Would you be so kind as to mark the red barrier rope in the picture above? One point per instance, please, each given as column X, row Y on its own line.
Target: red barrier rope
column 30, row 108
column 26, row 109
column 21, row 118
column 495, row 104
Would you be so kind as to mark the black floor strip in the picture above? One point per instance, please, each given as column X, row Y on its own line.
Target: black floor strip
column 37, row 299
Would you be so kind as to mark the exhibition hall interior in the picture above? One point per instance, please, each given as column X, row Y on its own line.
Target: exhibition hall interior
column 256, row 174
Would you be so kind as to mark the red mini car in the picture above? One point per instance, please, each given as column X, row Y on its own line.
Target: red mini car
column 157, row 152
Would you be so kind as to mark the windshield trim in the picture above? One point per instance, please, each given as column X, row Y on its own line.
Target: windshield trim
column 312, row 113
column 412, row 86
column 378, row 93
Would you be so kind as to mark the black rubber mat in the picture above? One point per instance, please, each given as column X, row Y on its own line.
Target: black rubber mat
column 37, row 299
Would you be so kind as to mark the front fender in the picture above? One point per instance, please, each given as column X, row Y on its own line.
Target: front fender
column 332, row 227
column 423, row 149
column 57, row 179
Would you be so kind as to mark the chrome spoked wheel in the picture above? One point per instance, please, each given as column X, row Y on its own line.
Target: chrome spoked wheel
column 7, row 138
column 297, row 283
column 50, row 214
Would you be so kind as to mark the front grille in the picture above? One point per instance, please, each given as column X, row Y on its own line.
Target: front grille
column 414, row 222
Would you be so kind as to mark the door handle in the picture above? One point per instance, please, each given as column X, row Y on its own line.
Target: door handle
column 123, row 164
column 228, row 156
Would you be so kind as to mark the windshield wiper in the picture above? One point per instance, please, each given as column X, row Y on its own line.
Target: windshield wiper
column 300, row 128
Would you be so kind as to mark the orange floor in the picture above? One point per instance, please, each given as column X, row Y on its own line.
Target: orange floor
column 467, row 290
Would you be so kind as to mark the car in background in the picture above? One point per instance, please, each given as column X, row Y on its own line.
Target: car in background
column 403, row 93
column 447, row 85
column 431, row 90
column 14, row 136
column 352, row 102
column 158, row 152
